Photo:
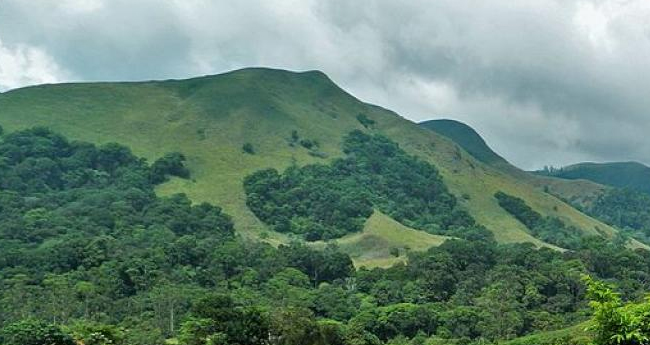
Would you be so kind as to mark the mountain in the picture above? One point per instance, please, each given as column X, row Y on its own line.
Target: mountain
column 97, row 246
column 466, row 137
column 630, row 175
column 210, row 120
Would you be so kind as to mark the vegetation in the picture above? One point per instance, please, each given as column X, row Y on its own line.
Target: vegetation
column 248, row 148
column 627, row 175
column 328, row 201
column 616, row 323
column 548, row 229
column 33, row 332
column 626, row 209
column 365, row 120
column 171, row 164
column 91, row 255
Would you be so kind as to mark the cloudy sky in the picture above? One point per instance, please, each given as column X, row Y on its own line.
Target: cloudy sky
column 546, row 82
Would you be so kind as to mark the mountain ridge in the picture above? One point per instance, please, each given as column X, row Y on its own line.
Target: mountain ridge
column 630, row 174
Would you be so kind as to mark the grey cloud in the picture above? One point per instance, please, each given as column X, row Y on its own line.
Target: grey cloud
column 546, row 82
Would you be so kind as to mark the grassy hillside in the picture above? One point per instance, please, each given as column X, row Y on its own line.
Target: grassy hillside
column 575, row 335
column 466, row 137
column 632, row 175
column 381, row 234
column 209, row 119
column 580, row 191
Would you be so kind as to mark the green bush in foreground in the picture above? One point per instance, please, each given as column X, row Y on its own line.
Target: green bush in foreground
column 33, row 332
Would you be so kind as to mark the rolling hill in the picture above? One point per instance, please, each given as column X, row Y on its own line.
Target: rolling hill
column 209, row 119
column 631, row 175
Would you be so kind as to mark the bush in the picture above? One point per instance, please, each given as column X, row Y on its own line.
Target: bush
column 308, row 144
column 34, row 332
column 365, row 120
column 171, row 164
column 248, row 148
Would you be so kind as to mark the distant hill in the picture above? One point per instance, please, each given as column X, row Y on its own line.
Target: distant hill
column 466, row 137
column 631, row 175
column 581, row 192
column 215, row 121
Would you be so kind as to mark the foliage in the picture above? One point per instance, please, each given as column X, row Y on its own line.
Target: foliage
column 308, row 143
column 613, row 322
column 365, row 120
column 547, row 229
column 92, row 333
column 248, row 148
column 328, row 201
column 171, row 164
column 625, row 209
column 32, row 332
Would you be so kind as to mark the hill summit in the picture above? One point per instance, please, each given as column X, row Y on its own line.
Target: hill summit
column 466, row 137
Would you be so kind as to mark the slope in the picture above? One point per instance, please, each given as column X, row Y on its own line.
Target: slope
column 466, row 137
column 384, row 242
column 209, row 119
column 577, row 191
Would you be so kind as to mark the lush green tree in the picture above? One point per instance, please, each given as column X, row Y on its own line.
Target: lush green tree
column 613, row 322
column 92, row 333
column 33, row 332
column 219, row 315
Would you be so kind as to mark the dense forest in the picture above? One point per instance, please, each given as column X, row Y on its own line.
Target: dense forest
column 327, row 201
column 89, row 254
column 625, row 209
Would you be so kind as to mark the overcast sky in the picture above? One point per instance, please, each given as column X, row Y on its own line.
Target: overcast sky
column 545, row 82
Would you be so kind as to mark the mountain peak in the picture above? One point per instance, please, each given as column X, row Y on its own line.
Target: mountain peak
column 466, row 137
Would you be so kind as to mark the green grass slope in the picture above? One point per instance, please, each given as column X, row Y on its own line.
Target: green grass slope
column 466, row 137
column 580, row 191
column 630, row 175
column 372, row 247
column 209, row 119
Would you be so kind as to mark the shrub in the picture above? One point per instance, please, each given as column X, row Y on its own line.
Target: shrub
column 308, row 144
column 171, row 164
column 365, row 120
column 34, row 332
column 248, row 148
